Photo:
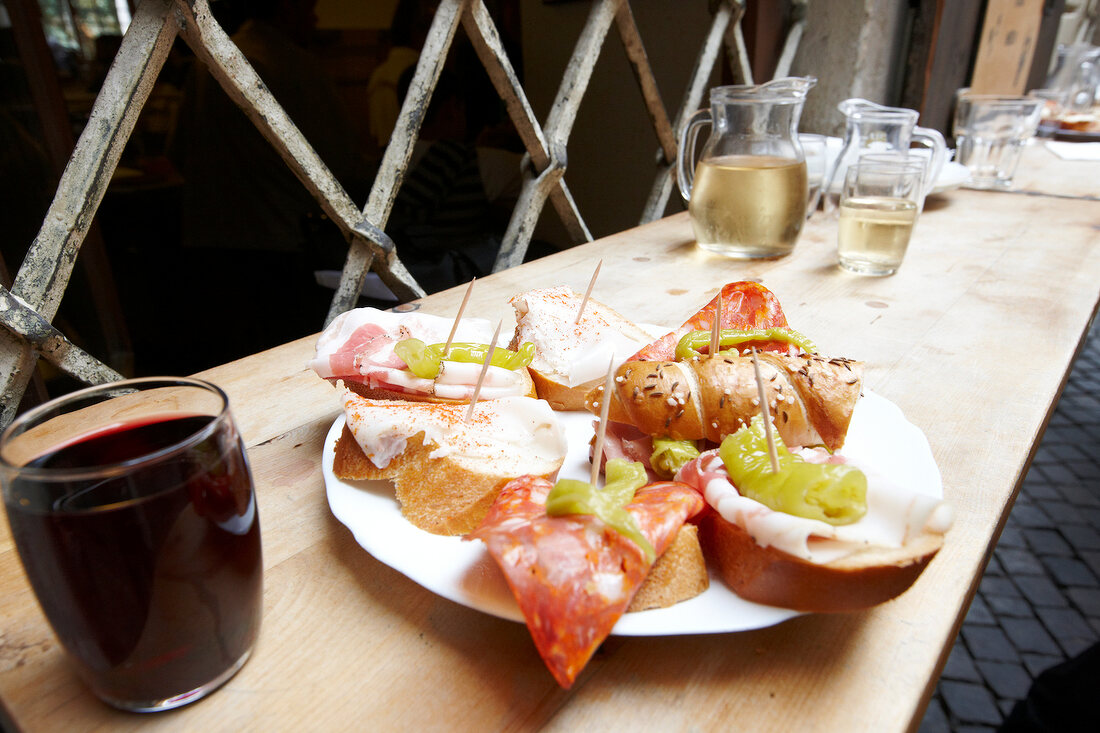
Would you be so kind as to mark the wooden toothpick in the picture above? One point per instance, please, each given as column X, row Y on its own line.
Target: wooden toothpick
column 458, row 317
column 601, row 429
column 484, row 371
column 584, row 302
column 766, row 414
column 716, row 329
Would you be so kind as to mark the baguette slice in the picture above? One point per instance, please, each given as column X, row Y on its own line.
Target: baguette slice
column 772, row 577
column 679, row 574
column 571, row 358
column 812, row 398
column 447, row 472
column 779, row 559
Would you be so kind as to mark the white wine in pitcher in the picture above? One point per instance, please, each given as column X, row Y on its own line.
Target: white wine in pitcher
column 748, row 205
column 874, row 233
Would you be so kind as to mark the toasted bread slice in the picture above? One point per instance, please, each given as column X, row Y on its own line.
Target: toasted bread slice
column 446, row 470
column 766, row 575
column 571, row 357
column 678, row 575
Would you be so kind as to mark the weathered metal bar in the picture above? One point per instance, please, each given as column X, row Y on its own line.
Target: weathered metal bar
column 18, row 317
column 738, row 54
column 525, row 216
column 360, row 257
column 643, row 73
column 46, row 269
column 726, row 13
column 395, row 159
column 563, row 113
column 241, row 82
column 558, row 127
column 59, row 140
column 794, row 37
column 479, row 26
column 490, row 51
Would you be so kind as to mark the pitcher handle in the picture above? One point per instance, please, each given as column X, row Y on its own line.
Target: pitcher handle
column 685, row 158
column 933, row 140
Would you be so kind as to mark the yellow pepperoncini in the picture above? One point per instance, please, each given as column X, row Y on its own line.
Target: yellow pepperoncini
column 425, row 361
column 668, row 455
column 570, row 496
column 829, row 492
column 692, row 343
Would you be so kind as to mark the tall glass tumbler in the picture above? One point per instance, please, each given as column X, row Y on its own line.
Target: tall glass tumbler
column 133, row 511
column 879, row 204
column 990, row 134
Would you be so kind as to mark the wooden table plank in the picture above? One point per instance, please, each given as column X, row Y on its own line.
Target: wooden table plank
column 1077, row 178
column 972, row 339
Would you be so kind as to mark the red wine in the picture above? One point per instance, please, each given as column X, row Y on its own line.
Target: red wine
column 151, row 578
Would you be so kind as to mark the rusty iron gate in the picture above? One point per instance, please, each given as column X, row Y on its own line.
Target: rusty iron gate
column 26, row 311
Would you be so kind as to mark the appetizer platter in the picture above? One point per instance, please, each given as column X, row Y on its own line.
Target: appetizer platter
column 459, row 571
column 588, row 479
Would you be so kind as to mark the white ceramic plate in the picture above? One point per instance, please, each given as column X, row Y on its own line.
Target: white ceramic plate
column 464, row 572
column 952, row 175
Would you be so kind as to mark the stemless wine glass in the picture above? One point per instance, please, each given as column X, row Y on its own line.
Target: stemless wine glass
column 133, row 510
column 879, row 203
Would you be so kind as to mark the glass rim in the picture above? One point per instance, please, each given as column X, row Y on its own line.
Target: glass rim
column 1008, row 98
column 21, row 422
column 900, row 166
column 892, row 159
column 754, row 93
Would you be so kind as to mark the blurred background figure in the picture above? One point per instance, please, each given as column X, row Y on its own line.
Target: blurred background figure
column 412, row 19
column 251, row 234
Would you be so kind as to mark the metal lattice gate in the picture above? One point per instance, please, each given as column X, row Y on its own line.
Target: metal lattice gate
column 28, row 308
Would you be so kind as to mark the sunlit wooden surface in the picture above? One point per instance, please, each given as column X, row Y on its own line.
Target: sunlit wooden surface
column 972, row 339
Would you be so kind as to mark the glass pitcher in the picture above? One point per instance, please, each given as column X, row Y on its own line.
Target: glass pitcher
column 747, row 194
column 874, row 128
column 1077, row 75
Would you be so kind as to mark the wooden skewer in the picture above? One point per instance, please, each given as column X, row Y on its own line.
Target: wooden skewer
column 584, row 301
column 484, row 371
column 716, row 329
column 601, row 429
column 458, row 317
column 766, row 414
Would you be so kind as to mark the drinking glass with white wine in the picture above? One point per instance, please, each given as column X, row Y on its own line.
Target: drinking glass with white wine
column 879, row 203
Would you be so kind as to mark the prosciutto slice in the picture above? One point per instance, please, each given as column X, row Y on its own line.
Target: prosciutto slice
column 573, row 576
column 358, row 348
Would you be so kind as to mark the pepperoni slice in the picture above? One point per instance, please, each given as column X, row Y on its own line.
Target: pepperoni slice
column 745, row 305
column 572, row 576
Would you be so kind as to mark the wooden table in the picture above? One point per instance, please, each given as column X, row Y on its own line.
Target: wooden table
column 972, row 338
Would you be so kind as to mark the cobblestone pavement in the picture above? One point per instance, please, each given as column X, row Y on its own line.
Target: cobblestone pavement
column 1039, row 600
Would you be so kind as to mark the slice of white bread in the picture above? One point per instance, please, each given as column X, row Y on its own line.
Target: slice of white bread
column 679, row 574
column 766, row 575
column 570, row 357
column 447, row 471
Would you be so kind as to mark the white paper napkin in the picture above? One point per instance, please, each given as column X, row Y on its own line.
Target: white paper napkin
column 1074, row 151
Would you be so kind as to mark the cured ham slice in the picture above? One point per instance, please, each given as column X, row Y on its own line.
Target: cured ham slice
column 745, row 305
column 357, row 348
column 573, row 576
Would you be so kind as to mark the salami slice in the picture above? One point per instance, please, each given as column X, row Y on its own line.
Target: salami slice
column 745, row 305
column 572, row 576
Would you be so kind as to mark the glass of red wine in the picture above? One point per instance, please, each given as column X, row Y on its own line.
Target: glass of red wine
column 133, row 510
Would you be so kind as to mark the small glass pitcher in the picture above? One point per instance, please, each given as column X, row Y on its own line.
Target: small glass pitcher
column 747, row 195
column 874, row 128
